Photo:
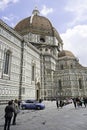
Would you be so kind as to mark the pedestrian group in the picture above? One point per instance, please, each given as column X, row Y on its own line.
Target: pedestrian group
column 77, row 101
column 11, row 111
column 80, row 101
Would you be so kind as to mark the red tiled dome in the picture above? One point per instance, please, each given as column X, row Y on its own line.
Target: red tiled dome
column 39, row 25
column 65, row 53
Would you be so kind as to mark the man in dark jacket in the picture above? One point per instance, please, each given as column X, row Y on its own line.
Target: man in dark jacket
column 57, row 104
column 8, row 115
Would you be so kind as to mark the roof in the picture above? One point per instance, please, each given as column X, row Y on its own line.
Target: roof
column 36, row 24
column 39, row 24
column 65, row 53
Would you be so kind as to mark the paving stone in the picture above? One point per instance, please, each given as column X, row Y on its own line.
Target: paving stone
column 67, row 118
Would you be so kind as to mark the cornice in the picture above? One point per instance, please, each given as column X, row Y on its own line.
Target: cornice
column 50, row 55
column 30, row 45
column 11, row 30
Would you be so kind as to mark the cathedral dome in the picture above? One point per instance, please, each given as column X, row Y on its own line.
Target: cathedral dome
column 65, row 53
column 36, row 24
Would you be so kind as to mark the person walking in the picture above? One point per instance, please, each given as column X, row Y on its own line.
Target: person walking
column 8, row 115
column 16, row 110
column 19, row 102
column 57, row 104
column 61, row 103
column 84, row 101
column 74, row 102
column 79, row 102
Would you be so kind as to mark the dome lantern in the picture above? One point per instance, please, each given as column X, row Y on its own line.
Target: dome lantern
column 35, row 11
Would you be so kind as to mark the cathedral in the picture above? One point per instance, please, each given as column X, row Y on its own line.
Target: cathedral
column 34, row 65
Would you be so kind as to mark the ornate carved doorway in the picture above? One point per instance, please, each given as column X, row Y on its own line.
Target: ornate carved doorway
column 38, row 91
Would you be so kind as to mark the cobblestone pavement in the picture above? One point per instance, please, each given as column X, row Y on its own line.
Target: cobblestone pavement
column 66, row 118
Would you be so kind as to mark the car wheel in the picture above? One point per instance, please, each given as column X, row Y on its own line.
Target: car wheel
column 38, row 108
column 23, row 107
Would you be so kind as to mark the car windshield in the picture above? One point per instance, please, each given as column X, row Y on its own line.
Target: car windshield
column 31, row 101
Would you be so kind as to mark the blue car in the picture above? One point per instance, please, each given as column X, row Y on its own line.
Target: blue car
column 32, row 104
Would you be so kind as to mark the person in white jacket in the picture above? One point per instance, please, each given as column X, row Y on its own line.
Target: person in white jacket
column 16, row 110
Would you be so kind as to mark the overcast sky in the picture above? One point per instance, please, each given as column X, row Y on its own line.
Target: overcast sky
column 69, row 17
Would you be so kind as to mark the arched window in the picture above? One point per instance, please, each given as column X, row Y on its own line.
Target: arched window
column 33, row 72
column 80, row 83
column 71, row 66
column 60, row 85
column 61, row 67
column 7, row 62
column 40, row 49
column 42, row 39
column 46, row 49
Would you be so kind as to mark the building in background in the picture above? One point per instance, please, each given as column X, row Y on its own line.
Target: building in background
column 70, row 77
column 33, row 64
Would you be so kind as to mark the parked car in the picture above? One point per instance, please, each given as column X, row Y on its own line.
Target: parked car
column 32, row 104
